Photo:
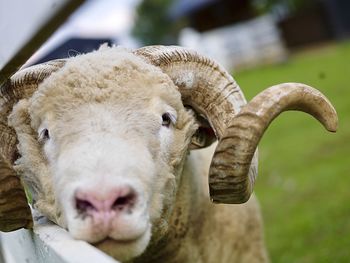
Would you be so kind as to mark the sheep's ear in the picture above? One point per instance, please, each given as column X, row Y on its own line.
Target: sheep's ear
column 204, row 136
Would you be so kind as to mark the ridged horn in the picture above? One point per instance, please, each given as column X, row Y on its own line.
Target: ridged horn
column 8, row 141
column 14, row 209
column 25, row 82
column 204, row 85
column 228, row 176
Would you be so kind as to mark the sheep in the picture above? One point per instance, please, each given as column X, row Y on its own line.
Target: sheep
column 115, row 146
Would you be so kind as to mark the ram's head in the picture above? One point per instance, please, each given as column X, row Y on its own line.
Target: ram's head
column 100, row 139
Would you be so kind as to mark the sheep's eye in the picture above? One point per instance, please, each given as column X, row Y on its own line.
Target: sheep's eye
column 166, row 119
column 44, row 135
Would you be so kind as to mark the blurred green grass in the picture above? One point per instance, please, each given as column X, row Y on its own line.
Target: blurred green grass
column 304, row 171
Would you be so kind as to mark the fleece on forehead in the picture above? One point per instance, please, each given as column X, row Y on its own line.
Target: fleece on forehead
column 109, row 75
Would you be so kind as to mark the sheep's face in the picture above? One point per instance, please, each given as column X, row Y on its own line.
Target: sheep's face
column 109, row 136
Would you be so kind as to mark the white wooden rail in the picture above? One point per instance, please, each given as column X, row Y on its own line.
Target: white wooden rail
column 48, row 243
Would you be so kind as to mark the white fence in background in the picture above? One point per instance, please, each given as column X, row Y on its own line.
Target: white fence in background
column 48, row 243
column 242, row 45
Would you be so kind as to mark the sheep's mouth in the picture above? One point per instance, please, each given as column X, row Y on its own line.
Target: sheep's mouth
column 115, row 247
column 122, row 241
column 109, row 241
column 124, row 249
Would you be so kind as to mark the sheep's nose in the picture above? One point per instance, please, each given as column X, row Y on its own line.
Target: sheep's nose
column 95, row 201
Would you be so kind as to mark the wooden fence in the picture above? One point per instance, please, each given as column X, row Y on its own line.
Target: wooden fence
column 241, row 45
column 48, row 243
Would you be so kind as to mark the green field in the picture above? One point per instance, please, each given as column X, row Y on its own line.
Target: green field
column 304, row 171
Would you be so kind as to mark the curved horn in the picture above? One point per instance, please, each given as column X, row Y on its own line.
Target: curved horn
column 228, row 176
column 204, row 85
column 25, row 82
column 14, row 209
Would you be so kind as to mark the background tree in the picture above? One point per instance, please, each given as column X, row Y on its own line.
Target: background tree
column 264, row 6
column 153, row 25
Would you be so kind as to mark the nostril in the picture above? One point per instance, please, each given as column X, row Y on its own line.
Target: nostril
column 93, row 202
column 127, row 200
column 84, row 206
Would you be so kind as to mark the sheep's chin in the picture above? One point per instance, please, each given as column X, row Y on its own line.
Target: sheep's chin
column 125, row 250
